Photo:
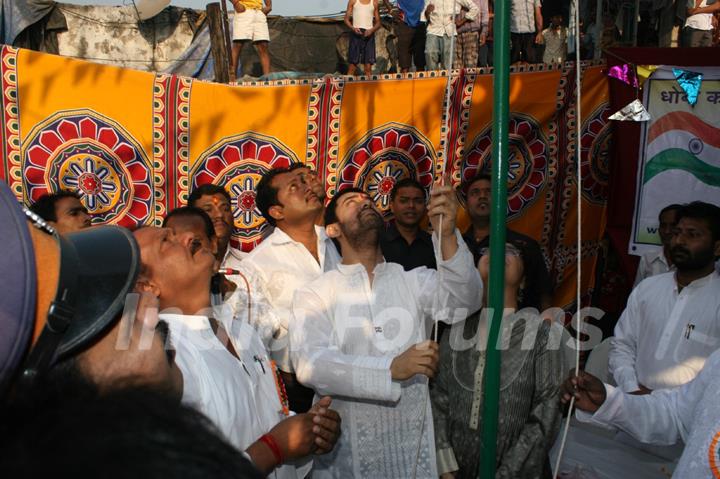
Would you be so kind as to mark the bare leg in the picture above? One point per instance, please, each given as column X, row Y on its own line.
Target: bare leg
column 235, row 57
column 368, row 69
column 351, row 69
column 264, row 54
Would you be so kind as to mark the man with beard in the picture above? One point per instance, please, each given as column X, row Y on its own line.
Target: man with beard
column 535, row 293
column 226, row 373
column 658, row 262
column 296, row 253
column 360, row 333
column 672, row 321
column 403, row 241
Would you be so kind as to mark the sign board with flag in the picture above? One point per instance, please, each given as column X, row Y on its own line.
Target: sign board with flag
column 679, row 160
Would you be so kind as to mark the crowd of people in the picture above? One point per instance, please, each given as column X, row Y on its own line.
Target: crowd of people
column 424, row 29
column 315, row 354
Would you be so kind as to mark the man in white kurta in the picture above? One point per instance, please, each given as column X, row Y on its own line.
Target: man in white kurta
column 353, row 328
column 671, row 324
column 689, row 413
column 227, row 374
column 658, row 262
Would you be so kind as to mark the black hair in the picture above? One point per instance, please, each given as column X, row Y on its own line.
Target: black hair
column 330, row 216
column 266, row 194
column 208, row 189
column 405, row 183
column 190, row 212
column 133, row 432
column 673, row 207
column 703, row 211
column 45, row 205
column 480, row 176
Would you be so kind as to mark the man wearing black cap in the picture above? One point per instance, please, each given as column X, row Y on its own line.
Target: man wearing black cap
column 61, row 306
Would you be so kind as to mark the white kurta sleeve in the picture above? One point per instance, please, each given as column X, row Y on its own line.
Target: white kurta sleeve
column 473, row 10
column 454, row 291
column 623, row 347
column 659, row 418
column 321, row 365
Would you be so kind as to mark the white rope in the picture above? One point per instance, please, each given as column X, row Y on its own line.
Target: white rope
column 446, row 123
column 578, row 124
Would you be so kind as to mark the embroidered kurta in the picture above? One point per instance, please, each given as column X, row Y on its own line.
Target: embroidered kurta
column 345, row 333
column 529, row 414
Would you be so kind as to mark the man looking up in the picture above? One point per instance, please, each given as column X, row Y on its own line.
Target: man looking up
column 403, row 241
column 536, row 293
column 63, row 211
column 216, row 202
column 297, row 252
column 658, row 262
column 360, row 332
column 671, row 324
column 225, row 370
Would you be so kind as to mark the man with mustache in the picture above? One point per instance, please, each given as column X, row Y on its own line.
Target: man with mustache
column 360, row 333
column 297, row 252
column 671, row 324
column 226, row 373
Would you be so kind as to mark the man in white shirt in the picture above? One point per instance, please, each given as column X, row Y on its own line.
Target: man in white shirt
column 689, row 413
column 442, row 22
column 360, row 332
column 658, row 262
column 225, row 370
column 526, row 25
column 297, row 252
column 671, row 324
column 698, row 25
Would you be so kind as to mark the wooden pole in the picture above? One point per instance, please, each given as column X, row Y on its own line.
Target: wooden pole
column 226, row 30
column 218, row 47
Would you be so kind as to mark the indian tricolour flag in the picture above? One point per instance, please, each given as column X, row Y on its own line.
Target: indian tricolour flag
column 680, row 158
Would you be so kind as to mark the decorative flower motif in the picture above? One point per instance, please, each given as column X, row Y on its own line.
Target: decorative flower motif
column 84, row 151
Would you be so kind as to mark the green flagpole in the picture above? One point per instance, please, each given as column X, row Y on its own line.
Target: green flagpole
column 498, row 215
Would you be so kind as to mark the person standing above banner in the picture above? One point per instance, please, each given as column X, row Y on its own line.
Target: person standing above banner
column 365, row 22
column 442, row 21
column 250, row 25
column 410, row 30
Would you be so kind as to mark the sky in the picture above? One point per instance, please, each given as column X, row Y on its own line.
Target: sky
column 280, row 7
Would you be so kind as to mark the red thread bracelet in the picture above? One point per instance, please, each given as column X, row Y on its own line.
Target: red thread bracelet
column 269, row 441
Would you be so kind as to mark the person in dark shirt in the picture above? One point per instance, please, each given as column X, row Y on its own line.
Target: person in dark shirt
column 537, row 290
column 403, row 241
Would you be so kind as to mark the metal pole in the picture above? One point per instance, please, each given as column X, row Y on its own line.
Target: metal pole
column 498, row 216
